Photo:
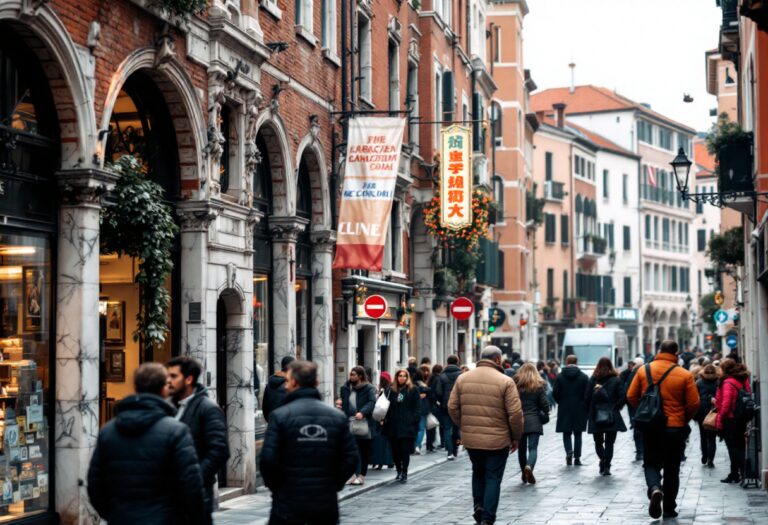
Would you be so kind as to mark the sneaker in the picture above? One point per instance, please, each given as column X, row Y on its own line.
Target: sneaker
column 654, row 507
column 577, row 462
column 730, row 478
column 451, row 457
column 417, row 452
column 351, row 481
column 359, row 480
column 528, row 472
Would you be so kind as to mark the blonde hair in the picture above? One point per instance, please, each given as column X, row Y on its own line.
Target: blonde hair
column 527, row 378
column 395, row 386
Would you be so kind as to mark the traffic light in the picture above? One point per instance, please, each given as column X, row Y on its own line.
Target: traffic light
column 491, row 329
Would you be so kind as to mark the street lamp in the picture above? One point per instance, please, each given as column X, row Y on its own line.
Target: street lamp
column 681, row 166
column 688, row 303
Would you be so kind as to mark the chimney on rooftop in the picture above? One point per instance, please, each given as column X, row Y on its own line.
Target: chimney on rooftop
column 572, row 65
column 559, row 108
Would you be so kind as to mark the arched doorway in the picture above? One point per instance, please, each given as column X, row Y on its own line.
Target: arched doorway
column 140, row 125
column 304, row 263
column 30, row 147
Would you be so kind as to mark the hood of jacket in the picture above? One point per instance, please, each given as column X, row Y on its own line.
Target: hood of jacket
column 137, row 413
column 452, row 371
column 711, row 376
column 276, row 381
column 571, row 373
column 491, row 364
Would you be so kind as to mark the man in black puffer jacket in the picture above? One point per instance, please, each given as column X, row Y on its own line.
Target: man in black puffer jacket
column 443, row 388
column 274, row 393
column 204, row 418
column 144, row 469
column 308, row 453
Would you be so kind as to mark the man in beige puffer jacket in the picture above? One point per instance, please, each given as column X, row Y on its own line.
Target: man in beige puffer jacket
column 485, row 405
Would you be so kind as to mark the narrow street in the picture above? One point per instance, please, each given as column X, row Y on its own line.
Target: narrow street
column 562, row 495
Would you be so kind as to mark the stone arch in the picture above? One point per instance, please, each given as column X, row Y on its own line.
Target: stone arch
column 311, row 150
column 45, row 35
column 272, row 129
column 179, row 93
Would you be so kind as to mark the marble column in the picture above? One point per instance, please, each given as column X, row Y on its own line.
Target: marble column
column 427, row 341
column 285, row 232
column 196, row 218
column 241, row 466
column 322, row 312
column 77, row 339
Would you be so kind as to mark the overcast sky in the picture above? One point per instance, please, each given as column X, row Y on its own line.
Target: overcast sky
column 648, row 50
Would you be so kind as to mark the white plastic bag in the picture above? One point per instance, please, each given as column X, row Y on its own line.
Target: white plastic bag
column 381, row 408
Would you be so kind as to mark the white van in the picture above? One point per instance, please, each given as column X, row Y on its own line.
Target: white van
column 590, row 344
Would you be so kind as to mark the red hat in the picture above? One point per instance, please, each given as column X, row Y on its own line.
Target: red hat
column 386, row 376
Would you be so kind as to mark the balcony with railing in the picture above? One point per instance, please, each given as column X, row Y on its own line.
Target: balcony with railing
column 729, row 28
column 590, row 247
column 554, row 191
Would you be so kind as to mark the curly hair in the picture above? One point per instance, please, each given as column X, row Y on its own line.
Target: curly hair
column 528, row 378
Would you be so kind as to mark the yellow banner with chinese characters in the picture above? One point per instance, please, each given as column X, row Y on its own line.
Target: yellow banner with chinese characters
column 455, row 178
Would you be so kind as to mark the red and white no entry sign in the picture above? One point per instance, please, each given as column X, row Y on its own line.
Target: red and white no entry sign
column 462, row 309
column 375, row 306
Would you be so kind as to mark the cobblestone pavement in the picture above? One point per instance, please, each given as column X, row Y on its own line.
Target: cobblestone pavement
column 562, row 495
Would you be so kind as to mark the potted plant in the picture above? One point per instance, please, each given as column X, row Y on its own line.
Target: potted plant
column 732, row 146
column 445, row 283
column 599, row 244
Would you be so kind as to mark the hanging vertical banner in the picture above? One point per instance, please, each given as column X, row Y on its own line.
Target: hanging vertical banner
column 370, row 174
column 455, row 178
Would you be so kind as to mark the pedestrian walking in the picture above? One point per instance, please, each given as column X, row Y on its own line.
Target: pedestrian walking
column 381, row 451
column 515, row 364
column 308, row 453
column 706, row 384
column 274, row 393
column 664, row 406
column 532, row 390
column 627, row 376
column 570, row 393
column 206, row 422
column 443, row 390
column 426, row 397
column 605, row 396
column 413, row 369
column 485, row 405
column 144, row 468
column 402, row 421
column 358, row 398
column 730, row 423
column 434, row 409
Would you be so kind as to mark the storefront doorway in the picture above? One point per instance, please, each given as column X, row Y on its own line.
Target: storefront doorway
column 140, row 125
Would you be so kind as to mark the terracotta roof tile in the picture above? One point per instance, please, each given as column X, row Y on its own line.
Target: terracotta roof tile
column 592, row 99
column 702, row 158
column 598, row 140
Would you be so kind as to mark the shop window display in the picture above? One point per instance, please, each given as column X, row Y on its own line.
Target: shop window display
column 26, row 311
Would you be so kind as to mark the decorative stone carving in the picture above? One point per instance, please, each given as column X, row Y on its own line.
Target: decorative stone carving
column 254, row 217
column 252, row 154
column 31, row 7
column 231, row 275
column 85, row 186
column 314, row 128
column 323, row 240
column 196, row 216
column 94, row 35
column 286, row 228
column 165, row 47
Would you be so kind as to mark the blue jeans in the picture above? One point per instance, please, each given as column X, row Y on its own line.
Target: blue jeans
column 529, row 446
column 422, row 430
column 572, row 447
column 449, row 430
column 487, row 473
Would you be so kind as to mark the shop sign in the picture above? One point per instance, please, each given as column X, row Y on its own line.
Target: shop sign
column 624, row 314
column 455, row 178
column 373, row 156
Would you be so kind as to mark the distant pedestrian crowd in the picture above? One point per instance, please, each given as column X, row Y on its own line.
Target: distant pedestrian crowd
column 158, row 459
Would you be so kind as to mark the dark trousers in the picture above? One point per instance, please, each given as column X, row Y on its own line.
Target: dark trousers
column 451, row 432
column 736, row 441
column 604, row 446
column 331, row 519
column 638, row 436
column 364, row 451
column 572, row 443
column 708, row 443
column 487, row 473
column 662, row 451
column 401, row 452
column 528, row 451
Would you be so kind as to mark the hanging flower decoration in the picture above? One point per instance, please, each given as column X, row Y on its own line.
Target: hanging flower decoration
column 468, row 237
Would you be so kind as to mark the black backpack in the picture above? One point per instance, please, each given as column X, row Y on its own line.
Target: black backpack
column 744, row 410
column 650, row 415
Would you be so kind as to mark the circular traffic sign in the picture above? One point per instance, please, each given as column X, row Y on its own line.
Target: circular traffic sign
column 375, row 306
column 721, row 317
column 732, row 341
column 462, row 309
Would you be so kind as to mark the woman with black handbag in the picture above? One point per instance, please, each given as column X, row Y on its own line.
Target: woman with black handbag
column 533, row 397
column 605, row 397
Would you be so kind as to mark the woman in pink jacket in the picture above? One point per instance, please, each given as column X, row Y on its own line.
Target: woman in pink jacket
column 735, row 376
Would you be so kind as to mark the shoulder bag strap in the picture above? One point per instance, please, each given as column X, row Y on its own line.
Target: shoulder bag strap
column 649, row 377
